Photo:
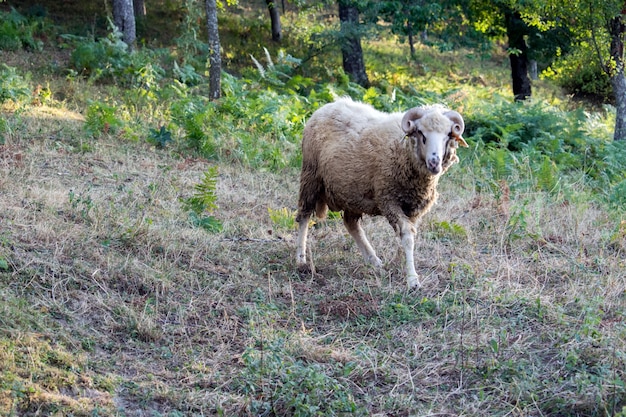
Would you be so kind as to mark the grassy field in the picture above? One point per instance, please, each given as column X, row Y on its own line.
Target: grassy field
column 115, row 303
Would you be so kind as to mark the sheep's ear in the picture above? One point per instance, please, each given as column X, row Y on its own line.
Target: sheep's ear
column 459, row 139
column 458, row 125
column 409, row 118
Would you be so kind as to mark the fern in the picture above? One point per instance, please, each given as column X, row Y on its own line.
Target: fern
column 547, row 175
column 258, row 66
column 204, row 198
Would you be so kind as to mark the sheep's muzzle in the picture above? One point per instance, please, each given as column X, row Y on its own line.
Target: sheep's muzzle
column 434, row 164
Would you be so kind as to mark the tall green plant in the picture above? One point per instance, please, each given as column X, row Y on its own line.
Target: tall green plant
column 203, row 201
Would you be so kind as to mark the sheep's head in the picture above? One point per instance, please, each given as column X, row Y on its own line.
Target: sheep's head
column 431, row 130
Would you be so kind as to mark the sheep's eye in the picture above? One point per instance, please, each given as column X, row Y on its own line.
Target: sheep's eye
column 423, row 137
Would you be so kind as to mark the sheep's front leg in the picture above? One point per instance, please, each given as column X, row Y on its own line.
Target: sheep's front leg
column 352, row 223
column 407, row 238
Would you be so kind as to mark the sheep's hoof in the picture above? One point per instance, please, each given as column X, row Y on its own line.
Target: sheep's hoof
column 304, row 269
column 375, row 262
column 413, row 283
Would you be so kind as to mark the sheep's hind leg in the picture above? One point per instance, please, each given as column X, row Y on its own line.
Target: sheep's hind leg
column 352, row 223
column 407, row 238
column 303, row 231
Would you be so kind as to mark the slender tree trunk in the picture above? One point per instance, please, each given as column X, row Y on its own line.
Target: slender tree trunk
column 124, row 20
column 277, row 33
column 215, row 58
column 139, row 7
column 618, row 79
column 515, row 30
column 409, row 30
column 351, row 50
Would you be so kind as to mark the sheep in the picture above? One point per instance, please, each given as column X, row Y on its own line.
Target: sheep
column 358, row 160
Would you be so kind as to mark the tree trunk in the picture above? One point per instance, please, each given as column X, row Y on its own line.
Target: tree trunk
column 215, row 58
column 518, row 55
column 409, row 30
column 124, row 20
column 618, row 80
column 619, row 89
column 353, row 63
column 139, row 7
column 277, row 33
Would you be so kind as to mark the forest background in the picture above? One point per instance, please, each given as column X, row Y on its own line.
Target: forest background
column 147, row 248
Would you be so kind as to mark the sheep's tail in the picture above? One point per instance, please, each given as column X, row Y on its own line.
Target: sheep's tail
column 311, row 199
column 306, row 209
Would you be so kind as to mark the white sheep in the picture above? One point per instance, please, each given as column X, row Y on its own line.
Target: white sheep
column 359, row 160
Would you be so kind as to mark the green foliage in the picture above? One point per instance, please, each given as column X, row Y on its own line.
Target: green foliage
column 18, row 32
column 617, row 196
column 283, row 218
column 546, row 174
column 4, row 128
column 203, row 201
column 406, row 16
column 580, row 73
column 110, row 59
column 621, row 413
column 159, row 137
column 192, row 48
column 448, row 231
column 280, row 74
column 13, row 86
column 278, row 383
column 538, row 146
column 81, row 204
column 204, row 198
column 101, row 119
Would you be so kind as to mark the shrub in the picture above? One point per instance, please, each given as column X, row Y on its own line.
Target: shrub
column 18, row 32
column 101, row 118
column 12, row 85
column 110, row 59
column 580, row 73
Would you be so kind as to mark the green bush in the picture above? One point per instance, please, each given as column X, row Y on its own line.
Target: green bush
column 580, row 73
column 13, row 86
column 101, row 119
column 110, row 59
column 17, row 32
column 536, row 146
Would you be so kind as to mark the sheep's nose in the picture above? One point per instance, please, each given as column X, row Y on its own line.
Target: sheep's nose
column 434, row 164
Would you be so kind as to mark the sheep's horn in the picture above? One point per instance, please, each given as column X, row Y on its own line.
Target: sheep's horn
column 458, row 124
column 408, row 120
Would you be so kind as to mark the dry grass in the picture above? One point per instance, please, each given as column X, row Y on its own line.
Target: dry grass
column 115, row 304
